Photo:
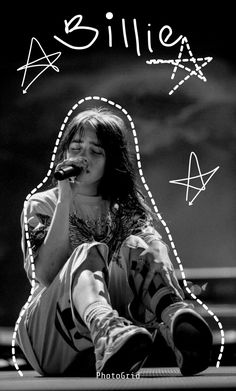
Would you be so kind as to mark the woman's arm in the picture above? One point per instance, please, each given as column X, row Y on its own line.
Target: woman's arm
column 55, row 249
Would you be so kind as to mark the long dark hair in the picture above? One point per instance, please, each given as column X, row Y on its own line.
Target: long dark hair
column 119, row 180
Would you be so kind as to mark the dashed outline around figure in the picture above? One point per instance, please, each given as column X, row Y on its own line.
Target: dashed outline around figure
column 137, row 150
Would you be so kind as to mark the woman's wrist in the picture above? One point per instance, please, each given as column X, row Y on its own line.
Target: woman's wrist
column 63, row 201
column 64, row 193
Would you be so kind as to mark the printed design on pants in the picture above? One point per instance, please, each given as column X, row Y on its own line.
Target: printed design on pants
column 65, row 326
column 157, row 296
column 139, row 270
column 104, row 293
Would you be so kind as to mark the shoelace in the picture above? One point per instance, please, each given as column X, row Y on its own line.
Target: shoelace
column 107, row 324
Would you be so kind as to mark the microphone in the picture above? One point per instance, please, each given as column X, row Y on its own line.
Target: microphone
column 67, row 172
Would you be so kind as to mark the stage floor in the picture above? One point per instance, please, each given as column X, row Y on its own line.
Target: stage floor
column 222, row 378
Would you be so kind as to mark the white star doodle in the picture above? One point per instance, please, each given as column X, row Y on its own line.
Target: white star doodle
column 38, row 63
column 178, row 63
column 186, row 181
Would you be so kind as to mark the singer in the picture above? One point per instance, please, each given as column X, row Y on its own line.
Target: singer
column 104, row 279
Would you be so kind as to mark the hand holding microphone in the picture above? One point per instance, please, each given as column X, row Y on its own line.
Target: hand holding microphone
column 68, row 169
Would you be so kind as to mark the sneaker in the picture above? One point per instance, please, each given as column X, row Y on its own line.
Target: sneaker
column 120, row 346
column 189, row 336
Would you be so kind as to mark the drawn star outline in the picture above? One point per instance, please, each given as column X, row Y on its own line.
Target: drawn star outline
column 186, row 181
column 179, row 63
column 38, row 63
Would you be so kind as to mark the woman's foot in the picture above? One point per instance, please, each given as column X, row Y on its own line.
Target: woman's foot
column 120, row 346
column 189, row 336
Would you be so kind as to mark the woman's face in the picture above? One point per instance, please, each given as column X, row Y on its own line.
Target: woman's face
column 85, row 145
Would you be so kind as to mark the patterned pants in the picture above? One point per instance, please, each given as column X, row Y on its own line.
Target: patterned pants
column 52, row 335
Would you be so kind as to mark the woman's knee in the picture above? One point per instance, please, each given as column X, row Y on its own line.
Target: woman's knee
column 92, row 258
column 130, row 252
column 135, row 242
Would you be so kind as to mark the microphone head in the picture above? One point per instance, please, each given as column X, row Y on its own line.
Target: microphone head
column 67, row 172
column 59, row 175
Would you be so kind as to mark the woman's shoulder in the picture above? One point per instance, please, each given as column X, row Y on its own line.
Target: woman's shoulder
column 49, row 197
column 40, row 204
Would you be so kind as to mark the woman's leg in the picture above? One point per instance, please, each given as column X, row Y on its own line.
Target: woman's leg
column 153, row 290
column 89, row 285
column 119, row 345
column 184, row 330
column 74, row 314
